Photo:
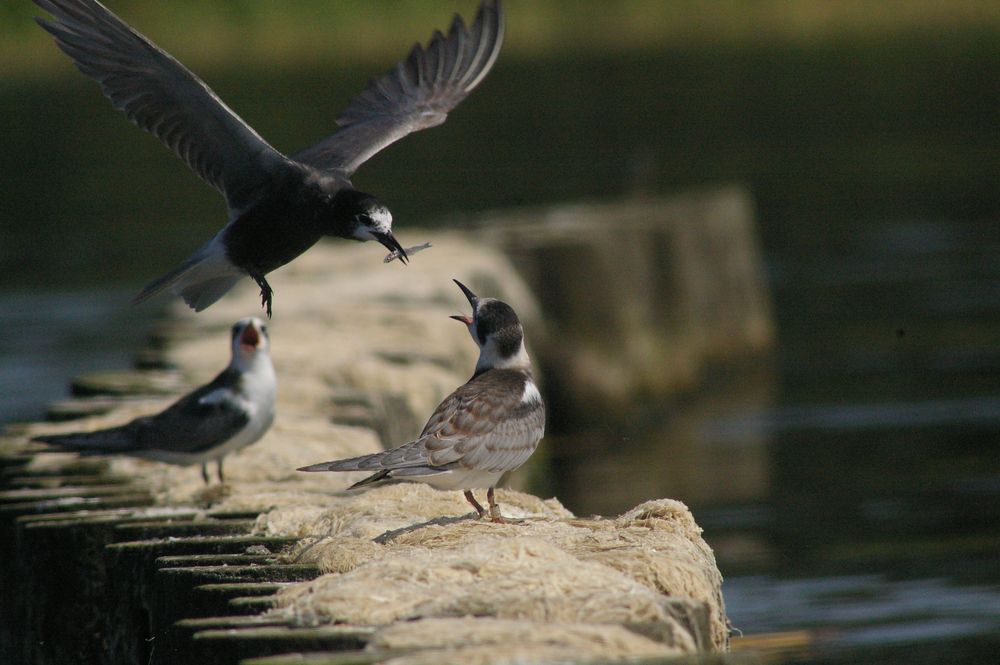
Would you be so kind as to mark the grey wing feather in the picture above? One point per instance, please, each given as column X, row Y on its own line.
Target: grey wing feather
column 189, row 426
column 186, row 426
column 418, row 93
column 484, row 425
column 486, row 430
column 106, row 441
column 163, row 97
column 506, row 447
column 408, row 454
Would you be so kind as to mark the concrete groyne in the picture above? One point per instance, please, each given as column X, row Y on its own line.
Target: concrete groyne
column 131, row 561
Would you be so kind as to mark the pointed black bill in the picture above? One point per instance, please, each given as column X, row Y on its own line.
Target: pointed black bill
column 473, row 298
column 390, row 243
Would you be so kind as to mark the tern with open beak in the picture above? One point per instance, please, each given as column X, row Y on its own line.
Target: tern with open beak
column 232, row 411
column 489, row 426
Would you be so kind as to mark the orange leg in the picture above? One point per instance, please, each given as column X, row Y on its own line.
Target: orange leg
column 475, row 504
column 495, row 515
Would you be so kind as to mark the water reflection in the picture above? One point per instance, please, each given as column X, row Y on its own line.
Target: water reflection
column 51, row 336
column 849, row 612
column 664, row 452
column 851, row 492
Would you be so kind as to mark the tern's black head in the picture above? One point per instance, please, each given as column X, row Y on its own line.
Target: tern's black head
column 495, row 328
column 249, row 335
column 363, row 217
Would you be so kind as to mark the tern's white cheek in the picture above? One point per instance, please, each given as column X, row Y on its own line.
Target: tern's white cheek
column 381, row 220
column 377, row 222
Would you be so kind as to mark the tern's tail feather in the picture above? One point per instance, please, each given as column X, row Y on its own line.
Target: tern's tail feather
column 109, row 441
column 200, row 281
column 362, row 463
column 391, row 464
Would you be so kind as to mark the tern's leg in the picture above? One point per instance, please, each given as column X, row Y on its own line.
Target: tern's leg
column 265, row 292
column 204, row 472
column 219, row 469
column 475, row 504
column 495, row 515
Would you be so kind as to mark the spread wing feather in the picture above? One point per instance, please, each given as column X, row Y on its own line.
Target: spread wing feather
column 164, row 98
column 416, row 94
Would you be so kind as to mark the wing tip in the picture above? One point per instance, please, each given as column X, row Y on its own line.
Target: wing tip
column 322, row 466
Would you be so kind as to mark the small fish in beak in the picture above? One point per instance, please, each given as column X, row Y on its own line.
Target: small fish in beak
column 397, row 254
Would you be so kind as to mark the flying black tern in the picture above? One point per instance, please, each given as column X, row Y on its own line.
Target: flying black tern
column 278, row 206
column 487, row 427
column 223, row 416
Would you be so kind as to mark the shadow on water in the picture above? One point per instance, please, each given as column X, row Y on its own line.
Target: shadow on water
column 850, row 487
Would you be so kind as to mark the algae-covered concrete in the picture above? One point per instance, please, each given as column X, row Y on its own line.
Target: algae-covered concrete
column 364, row 351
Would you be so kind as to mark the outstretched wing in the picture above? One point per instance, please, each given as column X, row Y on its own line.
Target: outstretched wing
column 415, row 95
column 163, row 97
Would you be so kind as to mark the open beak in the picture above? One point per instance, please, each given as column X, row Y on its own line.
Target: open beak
column 473, row 299
column 249, row 338
column 391, row 244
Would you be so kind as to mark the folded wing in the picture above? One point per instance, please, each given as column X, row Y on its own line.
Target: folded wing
column 491, row 431
column 186, row 427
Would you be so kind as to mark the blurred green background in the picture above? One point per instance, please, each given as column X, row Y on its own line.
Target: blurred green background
column 827, row 110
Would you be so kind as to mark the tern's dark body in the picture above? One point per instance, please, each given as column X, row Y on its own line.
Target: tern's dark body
column 295, row 213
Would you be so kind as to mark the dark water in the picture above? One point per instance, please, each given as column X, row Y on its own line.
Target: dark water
column 850, row 484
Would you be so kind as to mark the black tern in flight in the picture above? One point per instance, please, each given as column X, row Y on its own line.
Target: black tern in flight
column 487, row 427
column 223, row 416
column 278, row 206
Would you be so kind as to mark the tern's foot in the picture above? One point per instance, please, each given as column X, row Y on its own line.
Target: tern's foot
column 475, row 504
column 265, row 293
column 495, row 515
